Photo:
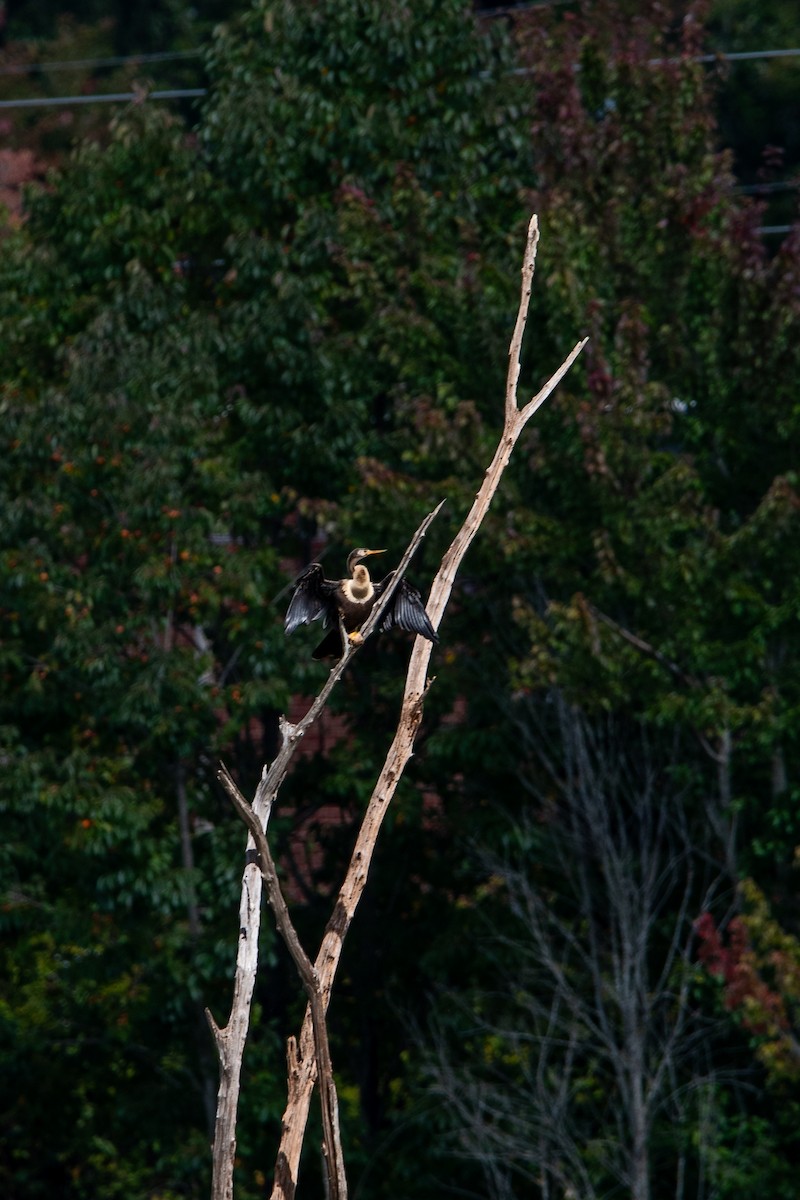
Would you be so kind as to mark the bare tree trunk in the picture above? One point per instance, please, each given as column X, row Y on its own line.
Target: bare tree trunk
column 304, row 1072
column 640, row 1132
column 332, row 1148
column 231, row 1040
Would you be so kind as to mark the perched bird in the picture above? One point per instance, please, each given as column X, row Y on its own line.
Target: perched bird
column 354, row 598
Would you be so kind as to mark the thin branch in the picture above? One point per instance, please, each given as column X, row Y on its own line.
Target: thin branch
column 554, row 380
column 515, row 347
column 644, row 647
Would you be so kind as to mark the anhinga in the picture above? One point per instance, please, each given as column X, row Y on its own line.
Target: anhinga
column 354, row 598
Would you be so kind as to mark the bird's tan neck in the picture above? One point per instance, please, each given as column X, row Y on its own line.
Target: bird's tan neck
column 360, row 586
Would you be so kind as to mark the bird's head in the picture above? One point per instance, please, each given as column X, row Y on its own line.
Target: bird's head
column 355, row 557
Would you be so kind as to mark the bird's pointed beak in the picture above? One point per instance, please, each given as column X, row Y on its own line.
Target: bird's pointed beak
column 374, row 552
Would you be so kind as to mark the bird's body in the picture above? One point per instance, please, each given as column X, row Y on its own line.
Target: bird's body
column 353, row 598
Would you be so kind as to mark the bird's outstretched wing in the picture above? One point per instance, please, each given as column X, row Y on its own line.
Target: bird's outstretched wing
column 312, row 599
column 406, row 610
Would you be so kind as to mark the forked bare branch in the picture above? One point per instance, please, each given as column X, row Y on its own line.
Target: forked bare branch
column 309, row 1055
column 332, row 1145
column 401, row 749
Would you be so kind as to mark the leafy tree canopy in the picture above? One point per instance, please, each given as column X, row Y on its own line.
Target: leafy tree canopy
column 287, row 328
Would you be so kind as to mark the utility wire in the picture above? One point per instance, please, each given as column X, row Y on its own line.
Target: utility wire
column 166, row 56
column 82, row 64
column 108, row 98
column 733, row 56
column 721, row 56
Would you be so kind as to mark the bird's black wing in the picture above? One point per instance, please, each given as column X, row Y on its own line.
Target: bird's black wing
column 406, row 610
column 313, row 598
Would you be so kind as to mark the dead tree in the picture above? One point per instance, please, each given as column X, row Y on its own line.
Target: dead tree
column 599, row 1052
column 308, row 1058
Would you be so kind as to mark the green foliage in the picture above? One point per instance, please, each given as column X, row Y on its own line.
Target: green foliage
column 192, row 381
column 745, row 1148
column 349, row 93
column 135, row 563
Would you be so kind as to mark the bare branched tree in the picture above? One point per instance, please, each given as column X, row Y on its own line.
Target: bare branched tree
column 307, row 1055
column 594, row 1034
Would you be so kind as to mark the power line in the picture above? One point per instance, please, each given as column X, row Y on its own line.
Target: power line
column 186, row 93
column 194, row 93
column 721, row 56
column 82, row 64
column 75, row 64
column 108, row 98
column 733, row 56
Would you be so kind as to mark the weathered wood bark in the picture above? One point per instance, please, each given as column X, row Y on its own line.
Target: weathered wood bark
column 231, row 1040
column 332, row 1146
column 303, row 1067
